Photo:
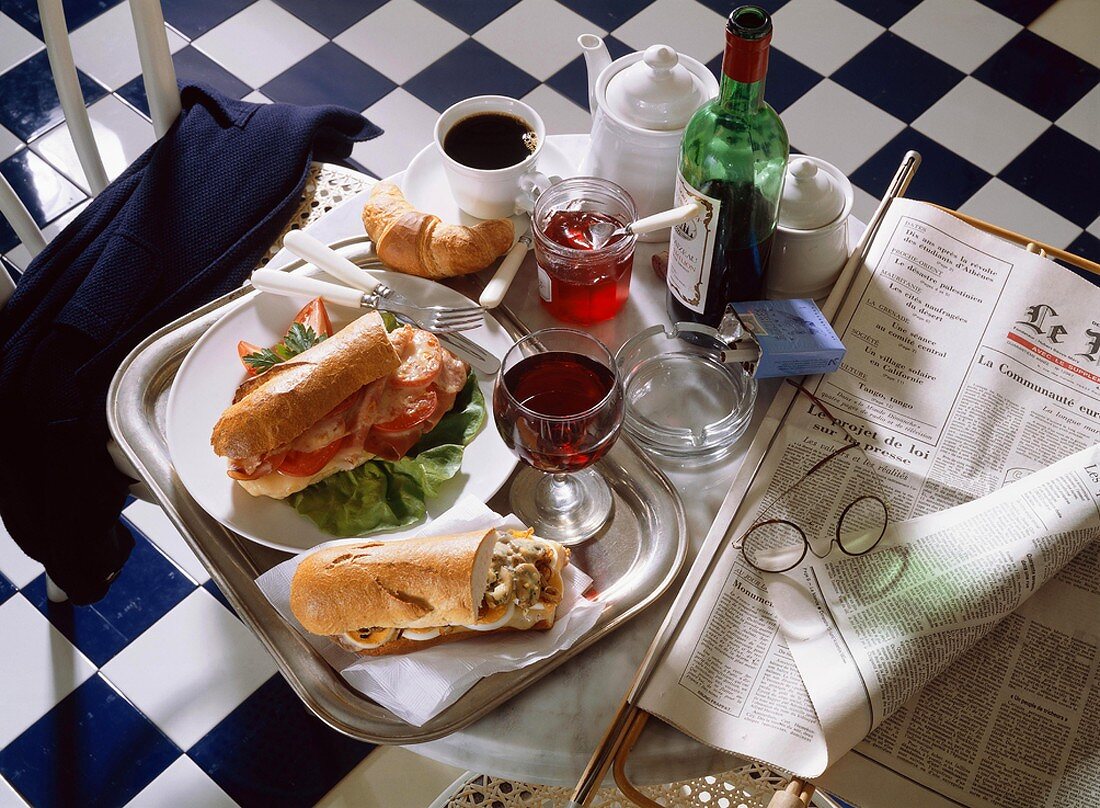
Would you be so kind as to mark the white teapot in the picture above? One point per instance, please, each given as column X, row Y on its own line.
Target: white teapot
column 640, row 105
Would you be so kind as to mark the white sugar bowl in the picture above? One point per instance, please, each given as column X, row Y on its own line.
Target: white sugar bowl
column 811, row 240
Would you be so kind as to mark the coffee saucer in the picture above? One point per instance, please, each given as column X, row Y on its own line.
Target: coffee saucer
column 425, row 184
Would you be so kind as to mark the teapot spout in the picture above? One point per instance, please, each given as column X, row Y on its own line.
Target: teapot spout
column 596, row 58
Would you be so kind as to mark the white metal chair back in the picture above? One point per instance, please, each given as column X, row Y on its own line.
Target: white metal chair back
column 158, row 74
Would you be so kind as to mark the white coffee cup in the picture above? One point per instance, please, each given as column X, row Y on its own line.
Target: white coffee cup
column 500, row 192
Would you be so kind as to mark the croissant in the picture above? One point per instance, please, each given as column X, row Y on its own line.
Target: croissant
column 418, row 243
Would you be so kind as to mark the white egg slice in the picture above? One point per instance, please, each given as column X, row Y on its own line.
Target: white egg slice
column 503, row 620
column 420, row 634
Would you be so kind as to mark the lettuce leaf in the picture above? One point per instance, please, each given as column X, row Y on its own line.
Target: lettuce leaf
column 462, row 422
column 384, row 494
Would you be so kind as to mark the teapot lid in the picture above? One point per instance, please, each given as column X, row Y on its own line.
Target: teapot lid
column 656, row 92
column 811, row 197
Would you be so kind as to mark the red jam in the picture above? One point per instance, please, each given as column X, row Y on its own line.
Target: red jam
column 582, row 290
column 573, row 228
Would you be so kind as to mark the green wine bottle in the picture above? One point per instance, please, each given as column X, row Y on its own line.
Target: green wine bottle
column 732, row 161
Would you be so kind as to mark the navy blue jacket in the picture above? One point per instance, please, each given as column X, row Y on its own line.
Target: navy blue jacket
column 187, row 222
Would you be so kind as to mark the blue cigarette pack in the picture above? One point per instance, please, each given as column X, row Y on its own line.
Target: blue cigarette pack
column 794, row 337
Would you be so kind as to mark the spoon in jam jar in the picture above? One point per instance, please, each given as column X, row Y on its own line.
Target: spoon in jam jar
column 601, row 231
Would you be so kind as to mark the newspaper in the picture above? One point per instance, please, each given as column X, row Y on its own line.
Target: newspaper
column 971, row 364
column 868, row 632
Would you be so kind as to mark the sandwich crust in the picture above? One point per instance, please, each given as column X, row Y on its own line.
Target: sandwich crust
column 416, row 583
column 278, row 406
column 337, row 594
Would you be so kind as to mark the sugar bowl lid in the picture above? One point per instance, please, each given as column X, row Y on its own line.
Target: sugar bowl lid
column 812, row 197
column 656, row 92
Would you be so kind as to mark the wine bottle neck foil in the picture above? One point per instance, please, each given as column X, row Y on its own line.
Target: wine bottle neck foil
column 748, row 39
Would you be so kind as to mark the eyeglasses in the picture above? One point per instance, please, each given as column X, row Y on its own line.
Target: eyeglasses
column 828, row 492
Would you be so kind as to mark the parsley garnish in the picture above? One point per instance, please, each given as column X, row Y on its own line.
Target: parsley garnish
column 262, row 360
column 298, row 339
column 389, row 321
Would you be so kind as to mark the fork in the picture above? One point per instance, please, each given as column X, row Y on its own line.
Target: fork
column 374, row 294
column 359, row 250
column 437, row 319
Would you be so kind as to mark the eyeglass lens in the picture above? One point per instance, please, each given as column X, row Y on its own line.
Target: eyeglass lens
column 827, row 491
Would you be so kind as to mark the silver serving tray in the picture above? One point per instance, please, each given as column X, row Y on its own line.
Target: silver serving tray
column 632, row 564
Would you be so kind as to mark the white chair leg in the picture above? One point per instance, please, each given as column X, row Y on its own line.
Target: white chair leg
column 20, row 218
column 7, row 285
column 157, row 69
column 60, row 53
column 54, row 593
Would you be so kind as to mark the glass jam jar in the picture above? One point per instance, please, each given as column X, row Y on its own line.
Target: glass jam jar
column 583, row 278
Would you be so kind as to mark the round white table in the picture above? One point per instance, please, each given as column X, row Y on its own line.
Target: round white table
column 546, row 734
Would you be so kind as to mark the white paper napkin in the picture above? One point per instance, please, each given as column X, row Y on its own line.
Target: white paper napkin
column 420, row 685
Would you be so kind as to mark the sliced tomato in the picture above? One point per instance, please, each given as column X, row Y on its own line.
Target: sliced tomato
column 315, row 315
column 416, row 410
column 392, row 445
column 306, row 464
column 421, row 361
column 243, row 350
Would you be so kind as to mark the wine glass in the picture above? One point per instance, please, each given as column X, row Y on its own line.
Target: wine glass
column 558, row 404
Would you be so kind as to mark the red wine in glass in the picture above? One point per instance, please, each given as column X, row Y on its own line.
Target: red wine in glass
column 558, row 405
column 553, row 410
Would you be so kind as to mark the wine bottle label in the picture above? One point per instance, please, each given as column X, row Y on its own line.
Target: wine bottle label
column 544, row 286
column 692, row 248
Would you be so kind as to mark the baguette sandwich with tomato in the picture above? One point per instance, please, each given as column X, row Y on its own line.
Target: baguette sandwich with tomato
column 380, row 598
column 320, row 403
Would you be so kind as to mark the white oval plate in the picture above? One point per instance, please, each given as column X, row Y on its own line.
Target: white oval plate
column 204, row 387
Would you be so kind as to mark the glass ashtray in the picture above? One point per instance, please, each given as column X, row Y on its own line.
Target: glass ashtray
column 683, row 399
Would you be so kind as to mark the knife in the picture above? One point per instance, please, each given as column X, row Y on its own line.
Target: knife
column 284, row 283
column 497, row 288
column 471, row 353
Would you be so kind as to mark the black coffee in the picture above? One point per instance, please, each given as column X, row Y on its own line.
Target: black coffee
column 490, row 140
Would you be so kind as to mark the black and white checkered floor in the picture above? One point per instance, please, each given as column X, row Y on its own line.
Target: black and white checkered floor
column 1001, row 97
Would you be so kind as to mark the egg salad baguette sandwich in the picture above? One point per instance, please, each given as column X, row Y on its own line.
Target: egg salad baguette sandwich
column 359, row 394
column 379, row 598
